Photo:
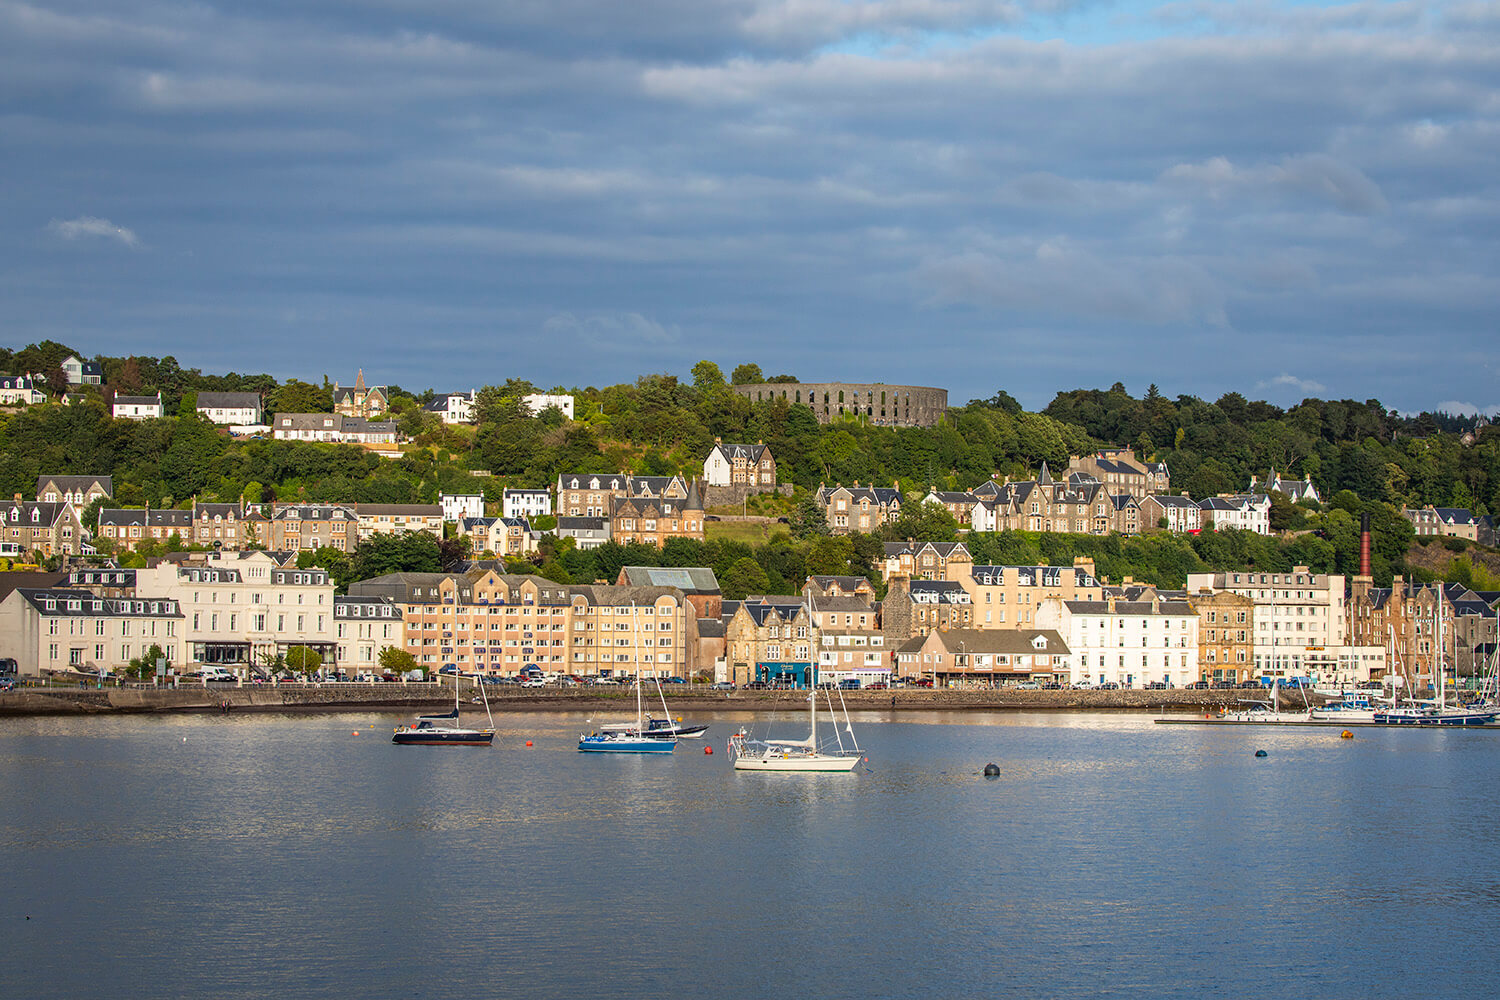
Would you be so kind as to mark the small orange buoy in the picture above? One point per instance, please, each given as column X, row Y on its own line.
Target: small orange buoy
column 528, row 743
column 1346, row 735
column 708, row 750
column 355, row 733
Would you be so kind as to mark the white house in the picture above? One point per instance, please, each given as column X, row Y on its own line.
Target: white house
column 526, row 503
column 82, row 372
column 1247, row 512
column 1131, row 643
column 539, row 401
column 453, row 407
column 457, row 506
column 231, row 408
column 137, row 407
column 20, row 389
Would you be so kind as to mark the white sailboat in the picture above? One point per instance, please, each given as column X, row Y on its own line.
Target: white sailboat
column 630, row 738
column 800, row 755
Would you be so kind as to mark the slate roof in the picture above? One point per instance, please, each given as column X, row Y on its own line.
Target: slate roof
column 147, row 518
column 137, row 400
column 710, row 628
column 749, row 452
column 991, row 640
column 939, row 592
column 688, row 579
column 77, row 484
column 1031, row 576
column 97, row 607
column 228, row 400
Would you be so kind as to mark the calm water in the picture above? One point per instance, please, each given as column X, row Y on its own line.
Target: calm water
column 254, row 856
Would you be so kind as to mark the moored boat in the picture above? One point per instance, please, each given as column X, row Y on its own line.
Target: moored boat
column 444, row 730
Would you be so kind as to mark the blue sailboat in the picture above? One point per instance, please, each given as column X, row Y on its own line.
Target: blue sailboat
column 636, row 739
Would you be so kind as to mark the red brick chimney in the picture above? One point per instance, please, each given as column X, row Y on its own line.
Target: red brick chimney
column 1364, row 544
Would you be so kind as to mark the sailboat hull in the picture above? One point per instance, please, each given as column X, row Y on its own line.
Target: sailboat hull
column 625, row 744
column 418, row 738
column 810, row 763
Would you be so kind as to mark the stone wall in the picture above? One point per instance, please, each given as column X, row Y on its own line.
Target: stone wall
column 716, row 496
column 877, row 402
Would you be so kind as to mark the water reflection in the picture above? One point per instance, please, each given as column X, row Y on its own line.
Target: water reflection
column 238, row 855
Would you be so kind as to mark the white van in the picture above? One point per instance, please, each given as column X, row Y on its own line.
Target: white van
column 217, row 674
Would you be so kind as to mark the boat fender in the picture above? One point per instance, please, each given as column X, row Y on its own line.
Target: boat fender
column 992, row 770
column 1260, row 753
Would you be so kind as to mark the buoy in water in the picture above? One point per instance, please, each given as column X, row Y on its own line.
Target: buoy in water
column 1346, row 735
column 708, row 750
column 1260, row 753
column 992, row 770
column 528, row 743
column 355, row 733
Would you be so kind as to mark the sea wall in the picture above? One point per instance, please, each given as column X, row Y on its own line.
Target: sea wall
column 332, row 697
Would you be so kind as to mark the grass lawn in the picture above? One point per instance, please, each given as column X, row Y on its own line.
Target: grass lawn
column 749, row 532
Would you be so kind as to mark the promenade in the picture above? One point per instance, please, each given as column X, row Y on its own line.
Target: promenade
column 400, row 697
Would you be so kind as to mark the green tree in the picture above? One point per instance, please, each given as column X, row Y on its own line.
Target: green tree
column 744, row 577
column 303, row 660
column 807, row 519
column 747, row 374
column 394, row 660
column 707, row 376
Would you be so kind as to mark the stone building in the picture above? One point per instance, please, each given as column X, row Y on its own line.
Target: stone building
column 359, row 400
column 925, row 560
column 651, row 521
column 859, row 508
column 1226, row 635
column 588, row 494
column 292, row 527
column 46, row 528
column 878, row 403
column 80, row 491
column 965, row 658
column 1118, row 471
column 1008, row 597
column 771, row 640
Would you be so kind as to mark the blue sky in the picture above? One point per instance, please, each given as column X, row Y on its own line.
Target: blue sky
column 1280, row 199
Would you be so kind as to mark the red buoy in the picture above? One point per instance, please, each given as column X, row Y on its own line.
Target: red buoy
column 708, row 750
column 528, row 743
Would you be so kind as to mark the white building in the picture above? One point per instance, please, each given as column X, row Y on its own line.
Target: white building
column 137, row 407
column 526, row 503
column 453, row 407
column 1249, row 512
column 457, row 506
column 241, row 409
column 64, row 629
column 1129, row 643
column 1299, row 616
column 363, row 626
column 539, row 401
column 81, row 372
column 23, row 389
column 242, row 609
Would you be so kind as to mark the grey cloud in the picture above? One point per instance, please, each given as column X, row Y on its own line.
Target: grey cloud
column 1319, row 176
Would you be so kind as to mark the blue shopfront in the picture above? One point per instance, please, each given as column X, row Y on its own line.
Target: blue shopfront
column 786, row 674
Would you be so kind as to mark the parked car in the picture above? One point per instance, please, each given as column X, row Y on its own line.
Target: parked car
column 533, row 682
column 1199, row 685
column 757, row 686
column 849, row 683
column 1222, row 685
column 673, row 680
column 724, row 685
column 1029, row 686
column 876, row 686
column 1052, row 686
column 1109, row 686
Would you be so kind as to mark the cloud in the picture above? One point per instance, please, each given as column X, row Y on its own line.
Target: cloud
column 623, row 331
column 1305, row 386
column 87, row 227
column 1317, row 176
column 1058, row 278
column 1459, row 409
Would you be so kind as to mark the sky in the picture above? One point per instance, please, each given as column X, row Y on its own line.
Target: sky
column 1274, row 198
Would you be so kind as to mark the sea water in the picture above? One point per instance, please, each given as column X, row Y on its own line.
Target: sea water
column 306, row 856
